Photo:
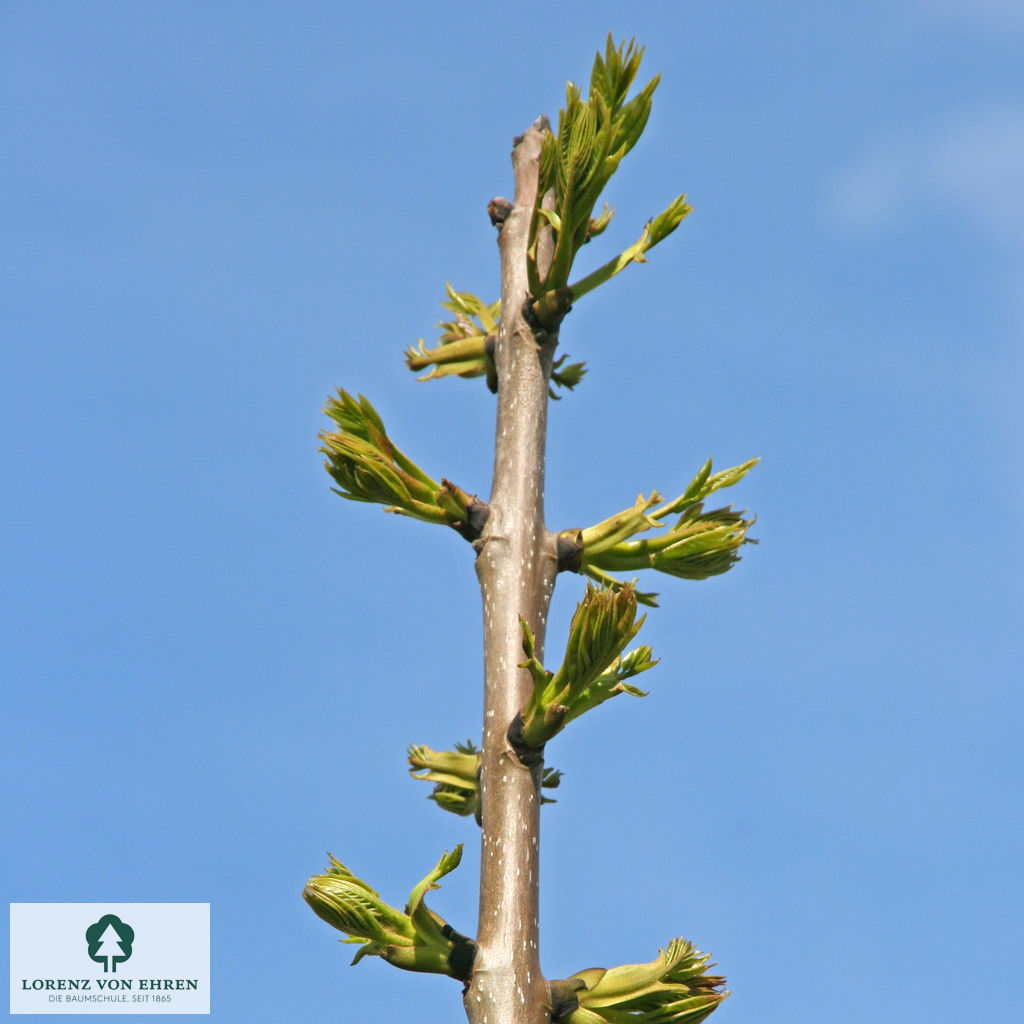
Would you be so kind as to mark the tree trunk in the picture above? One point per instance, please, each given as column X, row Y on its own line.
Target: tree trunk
column 516, row 568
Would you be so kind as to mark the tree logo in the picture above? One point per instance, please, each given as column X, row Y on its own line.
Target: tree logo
column 110, row 941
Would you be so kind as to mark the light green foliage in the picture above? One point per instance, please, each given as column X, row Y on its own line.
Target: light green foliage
column 654, row 231
column 415, row 939
column 565, row 376
column 673, row 989
column 463, row 347
column 594, row 668
column 368, row 467
column 576, row 164
column 455, row 774
column 697, row 545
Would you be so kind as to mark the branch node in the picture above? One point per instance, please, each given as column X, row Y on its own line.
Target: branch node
column 562, row 994
column 463, row 953
column 527, row 756
column 569, row 550
column 498, row 209
column 550, row 309
column 477, row 514
column 490, row 364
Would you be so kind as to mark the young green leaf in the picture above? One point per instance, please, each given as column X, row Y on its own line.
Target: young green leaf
column 368, row 467
column 415, row 939
column 698, row 545
column 593, row 670
column 577, row 162
column 456, row 777
column 675, row 988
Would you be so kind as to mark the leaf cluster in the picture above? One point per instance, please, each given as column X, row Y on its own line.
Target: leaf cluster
column 697, row 545
column 593, row 670
column 462, row 346
column 465, row 347
column 367, row 466
column 672, row 989
column 415, row 939
column 456, row 777
column 577, row 162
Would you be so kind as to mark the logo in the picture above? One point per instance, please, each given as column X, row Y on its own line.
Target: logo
column 110, row 958
column 110, row 941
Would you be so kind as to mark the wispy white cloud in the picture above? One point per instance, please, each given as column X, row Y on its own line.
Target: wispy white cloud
column 969, row 168
column 988, row 14
column 979, row 163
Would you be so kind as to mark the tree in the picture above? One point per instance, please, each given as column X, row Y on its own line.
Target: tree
column 110, row 941
column 109, row 949
column 559, row 175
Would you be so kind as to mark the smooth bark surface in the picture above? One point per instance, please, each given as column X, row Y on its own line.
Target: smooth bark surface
column 516, row 568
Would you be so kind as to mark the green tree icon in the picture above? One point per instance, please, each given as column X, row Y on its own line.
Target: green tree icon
column 110, row 941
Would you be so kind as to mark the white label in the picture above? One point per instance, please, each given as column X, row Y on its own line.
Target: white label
column 110, row 958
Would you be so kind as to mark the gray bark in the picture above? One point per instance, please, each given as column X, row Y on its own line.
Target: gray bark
column 516, row 567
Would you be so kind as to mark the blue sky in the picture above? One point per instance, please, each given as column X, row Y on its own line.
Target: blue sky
column 213, row 214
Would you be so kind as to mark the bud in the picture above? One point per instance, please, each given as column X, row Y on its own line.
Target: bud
column 673, row 989
column 465, row 347
column 577, row 162
column 367, row 466
column 598, row 224
column 594, row 668
column 567, row 377
column 461, row 346
column 698, row 545
column 415, row 939
column 456, row 777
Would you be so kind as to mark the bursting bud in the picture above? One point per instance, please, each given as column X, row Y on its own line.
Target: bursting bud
column 594, row 668
column 697, row 545
column 367, row 466
column 466, row 344
column 456, row 777
column 460, row 351
column 673, row 989
column 415, row 939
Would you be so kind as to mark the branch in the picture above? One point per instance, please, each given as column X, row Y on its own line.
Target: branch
column 516, row 568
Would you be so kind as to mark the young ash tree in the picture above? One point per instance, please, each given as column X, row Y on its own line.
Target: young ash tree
column 559, row 176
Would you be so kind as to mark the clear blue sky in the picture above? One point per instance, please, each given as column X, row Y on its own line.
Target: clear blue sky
column 212, row 214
